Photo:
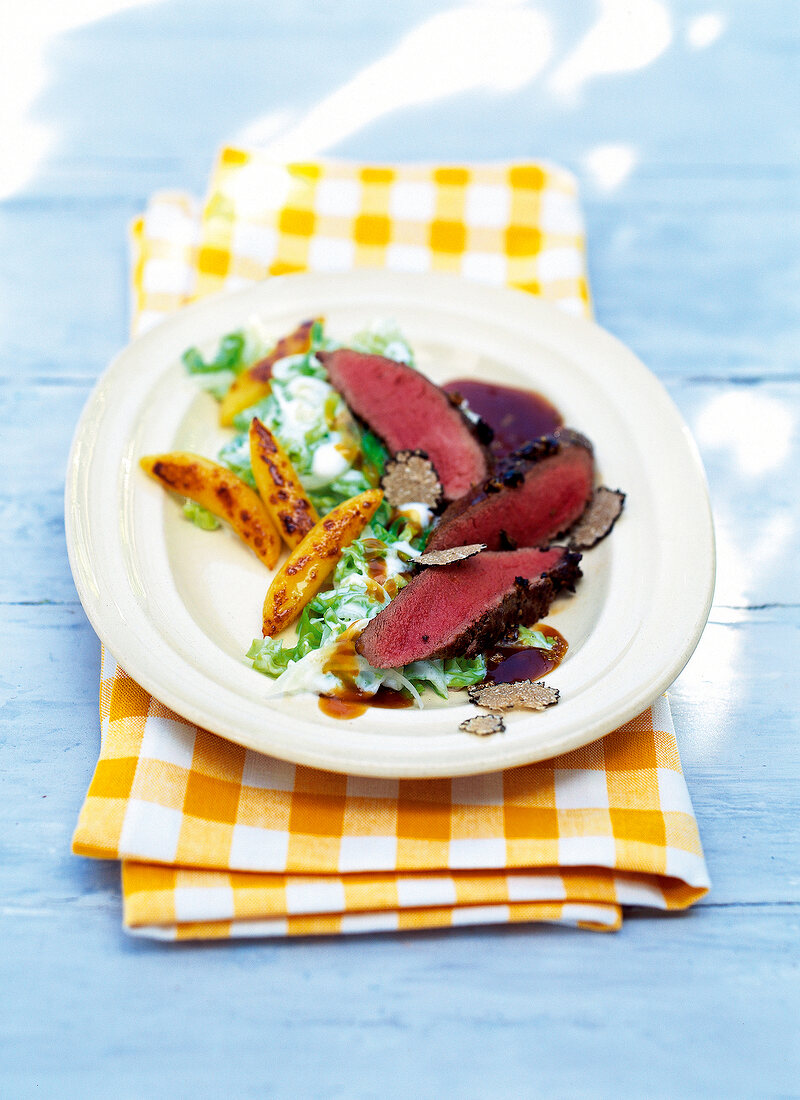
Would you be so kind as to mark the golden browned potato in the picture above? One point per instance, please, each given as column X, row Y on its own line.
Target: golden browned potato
column 308, row 566
column 279, row 486
column 254, row 383
column 221, row 492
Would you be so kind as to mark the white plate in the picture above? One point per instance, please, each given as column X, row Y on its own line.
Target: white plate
column 178, row 607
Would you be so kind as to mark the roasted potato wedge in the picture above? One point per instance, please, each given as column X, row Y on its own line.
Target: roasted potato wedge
column 221, row 492
column 314, row 559
column 279, row 486
column 254, row 382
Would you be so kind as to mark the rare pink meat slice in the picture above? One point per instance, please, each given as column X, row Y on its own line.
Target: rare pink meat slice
column 410, row 413
column 460, row 610
column 532, row 503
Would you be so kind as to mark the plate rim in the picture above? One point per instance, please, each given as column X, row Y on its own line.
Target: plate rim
column 494, row 756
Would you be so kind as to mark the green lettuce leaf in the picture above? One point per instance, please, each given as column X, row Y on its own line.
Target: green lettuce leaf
column 200, row 516
column 535, row 639
column 230, row 356
column 375, row 456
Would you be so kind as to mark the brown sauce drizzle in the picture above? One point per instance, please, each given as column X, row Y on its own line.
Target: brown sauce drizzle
column 349, row 701
column 507, row 663
column 337, row 707
column 352, row 702
column 516, row 416
column 377, row 569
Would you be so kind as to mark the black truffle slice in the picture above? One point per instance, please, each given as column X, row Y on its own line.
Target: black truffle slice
column 599, row 516
column 527, row 694
column 483, row 724
column 410, row 477
column 447, row 557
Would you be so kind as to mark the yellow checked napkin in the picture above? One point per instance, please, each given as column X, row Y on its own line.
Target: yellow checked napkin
column 218, row 841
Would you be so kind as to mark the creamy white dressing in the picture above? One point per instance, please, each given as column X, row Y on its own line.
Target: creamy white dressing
column 418, row 514
column 329, row 462
column 284, row 368
column 307, row 675
column 467, row 411
column 300, row 402
column 395, row 564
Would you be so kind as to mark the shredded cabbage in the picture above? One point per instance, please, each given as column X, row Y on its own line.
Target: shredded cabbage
column 370, row 572
column 535, row 639
column 200, row 516
column 383, row 337
column 335, row 459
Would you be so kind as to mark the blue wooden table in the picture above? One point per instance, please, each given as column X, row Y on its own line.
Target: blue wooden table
column 682, row 123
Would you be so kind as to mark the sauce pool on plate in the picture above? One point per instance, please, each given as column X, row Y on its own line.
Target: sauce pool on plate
column 516, row 416
column 352, row 702
column 505, row 664
column 349, row 701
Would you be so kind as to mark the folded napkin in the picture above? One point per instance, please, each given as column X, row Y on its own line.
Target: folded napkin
column 219, row 841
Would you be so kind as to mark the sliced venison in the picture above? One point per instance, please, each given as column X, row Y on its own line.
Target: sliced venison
column 460, row 610
column 410, row 413
column 539, row 495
